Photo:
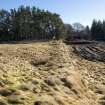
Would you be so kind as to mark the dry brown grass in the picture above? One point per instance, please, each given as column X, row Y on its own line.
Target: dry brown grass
column 46, row 73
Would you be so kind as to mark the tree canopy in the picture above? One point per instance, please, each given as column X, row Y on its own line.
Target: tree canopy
column 29, row 23
column 98, row 30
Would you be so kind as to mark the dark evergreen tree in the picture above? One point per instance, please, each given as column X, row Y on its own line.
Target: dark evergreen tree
column 104, row 29
column 4, row 25
column 98, row 30
column 93, row 29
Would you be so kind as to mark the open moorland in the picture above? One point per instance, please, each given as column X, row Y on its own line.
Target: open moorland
column 52, row 73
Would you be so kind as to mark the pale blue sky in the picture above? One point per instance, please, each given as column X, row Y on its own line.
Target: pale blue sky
column 83, row 11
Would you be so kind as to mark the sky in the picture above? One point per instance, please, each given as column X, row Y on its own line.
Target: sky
column 71, row 11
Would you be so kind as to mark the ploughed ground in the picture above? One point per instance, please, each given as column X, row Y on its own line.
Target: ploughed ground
column 52, row 73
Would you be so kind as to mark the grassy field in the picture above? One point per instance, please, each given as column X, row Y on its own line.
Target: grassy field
column 49, row 73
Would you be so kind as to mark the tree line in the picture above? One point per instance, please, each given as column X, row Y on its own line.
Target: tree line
column 27, row 23
column 31, row 23
column 98, row 30
column 95, row 32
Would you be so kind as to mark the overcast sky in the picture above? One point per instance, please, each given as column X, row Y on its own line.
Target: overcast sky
column 83, row 11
